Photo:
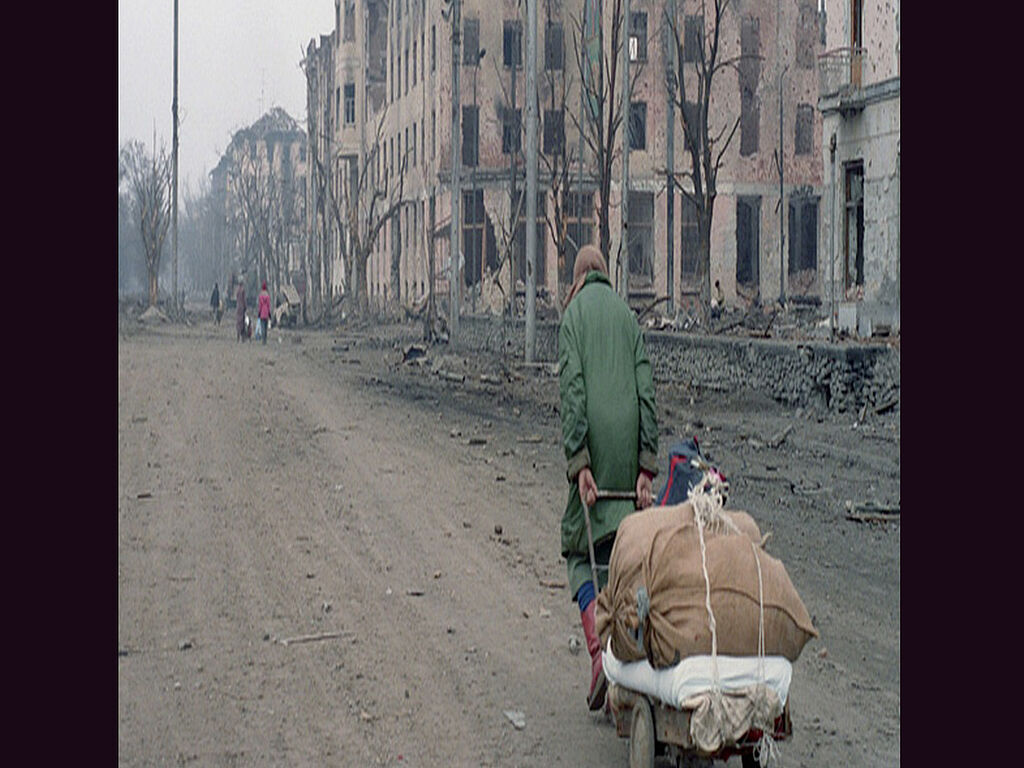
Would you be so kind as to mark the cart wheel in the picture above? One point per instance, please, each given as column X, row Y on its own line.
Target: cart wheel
column 641, row 735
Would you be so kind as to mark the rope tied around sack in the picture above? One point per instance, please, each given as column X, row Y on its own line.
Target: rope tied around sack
column 708, row 500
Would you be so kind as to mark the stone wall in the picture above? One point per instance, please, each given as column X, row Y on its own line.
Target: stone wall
column 837, row 377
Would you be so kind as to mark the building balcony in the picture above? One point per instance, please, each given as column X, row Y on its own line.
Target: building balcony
column 840, row 80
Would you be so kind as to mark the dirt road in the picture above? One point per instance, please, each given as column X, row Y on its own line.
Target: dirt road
column 329, row 557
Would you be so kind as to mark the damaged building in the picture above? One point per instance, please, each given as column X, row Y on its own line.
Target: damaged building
column 860, row 104
column 259, row 188
column 382, row 118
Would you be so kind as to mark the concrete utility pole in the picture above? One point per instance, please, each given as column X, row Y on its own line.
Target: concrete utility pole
column 531, row 178
column 624, row 238
column 174, row 152
column 832, row 237
column 455, row 229
column 670, row 157
column 782, row 199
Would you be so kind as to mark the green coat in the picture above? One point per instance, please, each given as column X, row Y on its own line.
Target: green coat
column 608, row 413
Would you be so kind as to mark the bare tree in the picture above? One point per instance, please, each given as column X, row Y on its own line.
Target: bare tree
column 148, row 178
column 602, row 110
column 362, row 206
column 690, row 87
column 558, row 163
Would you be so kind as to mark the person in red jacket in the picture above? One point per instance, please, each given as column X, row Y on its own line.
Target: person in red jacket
column 263, row 308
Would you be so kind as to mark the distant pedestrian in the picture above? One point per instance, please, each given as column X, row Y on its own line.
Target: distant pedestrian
column 215, row 304
column 240, row 312
column 264, row 311
column 717, row 300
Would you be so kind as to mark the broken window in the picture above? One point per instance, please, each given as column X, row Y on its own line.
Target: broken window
column 511, row 135
column 337, row 106
column 579, row 217
column 433, row 48
column 414, row 62
column 638, row 36
column 554, row 131
column 433, row 133
column 638, row 125
column 853, row 241
column 640, row 240
column 750, row 72
column 520, row 246
column 513, row 44
column 689, row 239
column 406, row 70
column 413, row 163
column 470, row 135
column 693, row 40
column 804, row 129
column 471, row 42
column 473, row 234
column 748, row 236
column 350, row 103
column 803, row 234
column 554, row 46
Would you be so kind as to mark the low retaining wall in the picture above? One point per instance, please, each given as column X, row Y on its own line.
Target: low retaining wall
column 837, row 377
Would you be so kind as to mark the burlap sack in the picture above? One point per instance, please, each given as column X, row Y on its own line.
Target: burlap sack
column 660, row 550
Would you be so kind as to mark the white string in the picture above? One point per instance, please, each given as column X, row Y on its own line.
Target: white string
column 708, row 500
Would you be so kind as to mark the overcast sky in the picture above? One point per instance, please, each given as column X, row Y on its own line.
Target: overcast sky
column 236, row 60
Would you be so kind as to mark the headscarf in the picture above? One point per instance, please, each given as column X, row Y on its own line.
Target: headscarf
column 264, row 285
column 589, row 259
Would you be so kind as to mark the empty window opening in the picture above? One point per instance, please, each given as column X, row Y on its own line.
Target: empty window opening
column 470, row 136
column 748, row 236
column 554, row 47
column 638, row 36
column 803, row 235
column 513, row 44
column 350, row 103
column 554, row 132
column 804, row 142
column 638, row 125
column 640, row 241
column 853, row 240
column 471, row 42
column 511, row 134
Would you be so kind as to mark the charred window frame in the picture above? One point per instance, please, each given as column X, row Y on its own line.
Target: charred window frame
column 803, row 234
column 638, row 36
column 471, row 43
column 512, row 44
column 470, row 135
column 638, row 125
column 748, row 240
column 554, row 47
column 640, row 240
column 511, row 131
column 554, row 132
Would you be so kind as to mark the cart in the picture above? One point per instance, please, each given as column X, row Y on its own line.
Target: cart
column 655, row 728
